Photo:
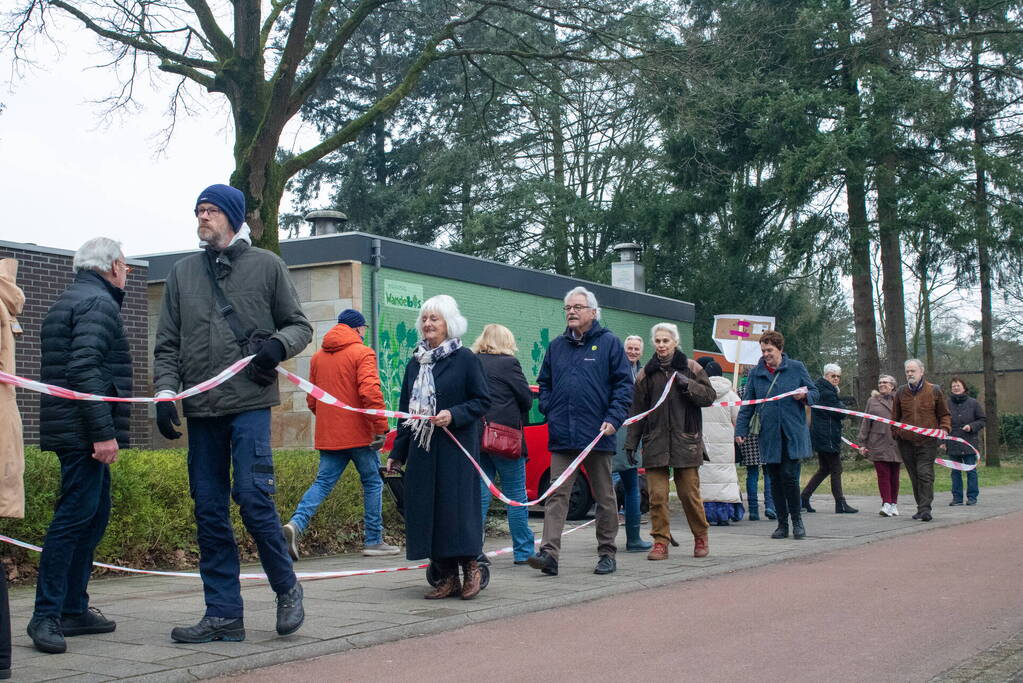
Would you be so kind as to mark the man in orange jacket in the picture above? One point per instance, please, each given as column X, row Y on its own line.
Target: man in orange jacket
column 347, row 369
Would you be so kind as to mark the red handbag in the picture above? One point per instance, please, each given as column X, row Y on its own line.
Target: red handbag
column 501, row 440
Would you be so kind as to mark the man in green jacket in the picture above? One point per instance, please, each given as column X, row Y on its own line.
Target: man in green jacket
column 200, row 334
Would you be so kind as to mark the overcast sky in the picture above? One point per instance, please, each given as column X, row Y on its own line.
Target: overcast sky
column 68, row 174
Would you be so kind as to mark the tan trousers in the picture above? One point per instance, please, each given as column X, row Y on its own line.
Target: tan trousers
column 687, row 485
column 598, row 467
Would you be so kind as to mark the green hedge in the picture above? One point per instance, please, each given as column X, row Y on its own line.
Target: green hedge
column 1010, row 430
column 152, row 525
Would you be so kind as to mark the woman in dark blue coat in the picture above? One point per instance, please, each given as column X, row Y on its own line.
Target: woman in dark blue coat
column 783, row 436
column 442, row 496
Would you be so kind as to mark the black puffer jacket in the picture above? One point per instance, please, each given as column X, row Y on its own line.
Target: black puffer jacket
column 826, row 426
column 84, row 348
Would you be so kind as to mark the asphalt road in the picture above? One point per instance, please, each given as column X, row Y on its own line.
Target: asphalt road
column 903, row 609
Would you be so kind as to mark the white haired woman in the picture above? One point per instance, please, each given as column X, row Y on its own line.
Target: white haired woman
column 878, row 445
column 445, row 381
column 826, row 439
column 672, row 437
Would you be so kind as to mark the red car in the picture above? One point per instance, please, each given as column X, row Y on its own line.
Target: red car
column 538, row 467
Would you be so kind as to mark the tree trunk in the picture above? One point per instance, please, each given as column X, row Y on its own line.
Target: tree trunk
column 558, row 220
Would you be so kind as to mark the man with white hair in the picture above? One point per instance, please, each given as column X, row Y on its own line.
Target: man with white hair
column 83, row 348
column 228, row 301
column 585, row 390
column 922, row 404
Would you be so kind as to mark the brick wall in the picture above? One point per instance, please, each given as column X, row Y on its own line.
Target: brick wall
column 43, row 274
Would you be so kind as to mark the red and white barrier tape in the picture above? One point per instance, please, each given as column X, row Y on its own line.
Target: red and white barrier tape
column 951, row 464
column 259, row 576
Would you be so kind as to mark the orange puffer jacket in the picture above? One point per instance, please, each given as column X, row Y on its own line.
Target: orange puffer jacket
column 347, row 369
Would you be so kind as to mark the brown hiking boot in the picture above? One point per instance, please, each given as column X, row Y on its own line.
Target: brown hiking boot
column 659, row 552
column 701, row 546
column 448, row 587
column 472, row 580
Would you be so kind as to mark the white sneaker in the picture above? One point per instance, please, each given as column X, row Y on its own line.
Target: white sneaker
column 894, row 509
column 291, row 534
column 380, row 550
column 886, row 510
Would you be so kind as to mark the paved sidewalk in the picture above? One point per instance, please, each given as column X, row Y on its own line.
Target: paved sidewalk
column 356, row 612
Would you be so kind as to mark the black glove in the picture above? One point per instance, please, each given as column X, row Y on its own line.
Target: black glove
column 631, row 455
column 261, row 369
column 166, row 419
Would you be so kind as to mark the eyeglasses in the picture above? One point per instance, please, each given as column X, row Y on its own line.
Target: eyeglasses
column 210, row 211
column 127, row 268
column 577, row 308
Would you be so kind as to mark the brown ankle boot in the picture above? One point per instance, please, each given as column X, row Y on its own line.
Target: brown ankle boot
column 472, row 578
column 447, row 587
column 701, row 546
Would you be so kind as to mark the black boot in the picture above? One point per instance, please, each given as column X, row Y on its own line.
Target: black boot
column 843, row 507
column 290, row 613
column 782, row 531
column 634, row 543
column 804, row 502
column 209, row 629
column 798, row 530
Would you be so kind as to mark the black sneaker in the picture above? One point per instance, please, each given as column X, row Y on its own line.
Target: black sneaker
column 90, row 621
column 925, row 517
column 290, row 613
column 955, row 502
column 918, row 515
column 209, row 629
column 544, row 562
column 605, row 565
column 47, row 635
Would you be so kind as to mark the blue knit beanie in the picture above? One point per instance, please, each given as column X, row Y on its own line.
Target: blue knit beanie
column 228, row 199
column 352, row 318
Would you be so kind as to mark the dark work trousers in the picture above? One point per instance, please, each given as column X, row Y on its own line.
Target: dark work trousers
column 919, row 461
column 5, row 623
column 830, row 465
column 79, row 521
column 785, row 485
column 215, row 446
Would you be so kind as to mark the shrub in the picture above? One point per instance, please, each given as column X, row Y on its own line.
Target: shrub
column 1010, row 430
column 152, row 524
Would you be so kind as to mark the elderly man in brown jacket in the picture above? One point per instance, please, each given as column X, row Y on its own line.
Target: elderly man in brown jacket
column 920, row 403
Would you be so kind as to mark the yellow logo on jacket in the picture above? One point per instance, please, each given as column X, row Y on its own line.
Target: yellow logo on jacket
column 593, row 348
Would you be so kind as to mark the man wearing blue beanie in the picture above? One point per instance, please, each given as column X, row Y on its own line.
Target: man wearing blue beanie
column 229, row 454
column 229, row 200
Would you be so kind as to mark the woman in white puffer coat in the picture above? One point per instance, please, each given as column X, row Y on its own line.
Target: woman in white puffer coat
column 719, row 483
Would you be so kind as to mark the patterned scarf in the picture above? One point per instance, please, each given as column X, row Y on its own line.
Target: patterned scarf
column 424, row 392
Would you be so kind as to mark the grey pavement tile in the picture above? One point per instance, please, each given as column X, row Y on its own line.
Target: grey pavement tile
column 108, row 666
column 183, row 661
column 85, row 678
column 31, row 673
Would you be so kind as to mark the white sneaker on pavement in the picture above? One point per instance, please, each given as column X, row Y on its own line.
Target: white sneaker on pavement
column 380, row 550
column 895, row 510
column 886, row 510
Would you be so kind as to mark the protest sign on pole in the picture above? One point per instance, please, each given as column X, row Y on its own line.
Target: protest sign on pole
column 733, row 334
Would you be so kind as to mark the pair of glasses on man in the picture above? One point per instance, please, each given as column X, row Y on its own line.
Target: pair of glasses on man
column 211, row 211
column 577, row 308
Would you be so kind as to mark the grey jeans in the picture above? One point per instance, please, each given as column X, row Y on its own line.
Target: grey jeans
column 598, row 467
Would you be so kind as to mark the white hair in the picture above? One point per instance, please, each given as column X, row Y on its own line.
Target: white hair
column 591, row 298
column 634, row 336
column 670, row 328
column 832, row 369
column 99, row 253
column 915, row 361
column 447, row 308
column 888, row 379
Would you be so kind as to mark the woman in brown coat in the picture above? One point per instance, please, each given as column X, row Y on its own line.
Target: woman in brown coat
column 878, row 446
column 12, row 452
column 672, row 436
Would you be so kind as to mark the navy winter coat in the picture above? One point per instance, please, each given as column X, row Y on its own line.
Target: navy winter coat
column 442, row 490
column 786, row 416
column 84, row 348
column 584, row 383
column 826, row 426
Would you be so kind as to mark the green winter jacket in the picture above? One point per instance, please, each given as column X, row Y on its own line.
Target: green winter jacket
column 194, row 342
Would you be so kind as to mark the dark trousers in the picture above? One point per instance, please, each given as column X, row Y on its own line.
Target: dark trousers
column 888, row 481
column 215, row 446
column 830, row 465
column 5, row 624
column 785, row 487
column 919, row 461
column 79, row 521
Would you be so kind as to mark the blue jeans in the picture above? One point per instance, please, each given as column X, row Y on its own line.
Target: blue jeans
column 630, row 484
column 972, row 487
column 215, row 446
column 752, row 478
column 513, row 484
column 79, row 521
column 332, row 466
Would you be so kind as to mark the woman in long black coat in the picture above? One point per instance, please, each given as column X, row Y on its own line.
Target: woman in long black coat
column 442, row 496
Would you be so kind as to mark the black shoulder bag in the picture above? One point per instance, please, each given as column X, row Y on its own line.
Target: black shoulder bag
column 249, row 342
